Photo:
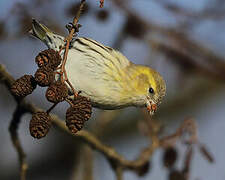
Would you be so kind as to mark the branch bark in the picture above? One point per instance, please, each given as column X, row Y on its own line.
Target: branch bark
column 114, row 158
column 16, row 141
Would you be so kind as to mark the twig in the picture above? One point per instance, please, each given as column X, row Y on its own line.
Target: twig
column 68, row 39
column 119, row 173
column 51, row 108
column 101, row 3
column 187, row 162
column 16, row 141
column 183, row 42
column 206, row 154
column 188, row 126
column 210, row 12
column 88, row 163
column 116, row 160
column 88, row 137
column 77, row 166
column 188, row 63
column 109, row 152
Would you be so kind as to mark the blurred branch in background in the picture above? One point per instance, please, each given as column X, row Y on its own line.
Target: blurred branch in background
column 118, row 162
column 175, row 44
column 189, row 55
column 16, row 141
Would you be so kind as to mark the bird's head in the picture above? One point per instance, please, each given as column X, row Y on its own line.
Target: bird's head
column 149, row 87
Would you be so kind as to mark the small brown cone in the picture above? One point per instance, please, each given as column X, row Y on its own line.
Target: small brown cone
column 78, row 113
column 142, row 170
column 24, row 86
column 102, row 15
column 57, row 92
column 176, row 175
column 48, row 57
column 83, row 103
column 44, row 76
column 40, row 124
column 169, row 157
column 134, row 27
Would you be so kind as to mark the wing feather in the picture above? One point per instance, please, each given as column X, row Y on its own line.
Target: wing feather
column 96, row 70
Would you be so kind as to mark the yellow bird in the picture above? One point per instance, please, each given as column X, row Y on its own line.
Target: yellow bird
column 104, row 75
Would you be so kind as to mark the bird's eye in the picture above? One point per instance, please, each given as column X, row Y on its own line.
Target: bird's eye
column 151, row 90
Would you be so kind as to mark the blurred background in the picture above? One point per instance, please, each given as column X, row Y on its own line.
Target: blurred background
column 184, row 40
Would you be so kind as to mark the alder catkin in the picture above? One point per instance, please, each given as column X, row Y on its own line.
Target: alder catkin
column 24, row 86
column 57, row 92
column 78, row 113
column 44, row 76
column 40, row 124
column 48, row 57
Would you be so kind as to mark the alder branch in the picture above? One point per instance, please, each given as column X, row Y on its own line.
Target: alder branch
column 119, row 173
column 118, row 162
column 88, row 161
column 101, row 3
column 213, row 11
column 185, row 47
column 188, row 63
column 73, row 29
column 16, row 141
column 115, row 159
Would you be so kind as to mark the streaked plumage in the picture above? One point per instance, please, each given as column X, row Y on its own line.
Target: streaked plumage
column 103, row 74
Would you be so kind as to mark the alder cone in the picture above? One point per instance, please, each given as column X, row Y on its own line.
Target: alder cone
column 142, row 170
column 78, row 113
column 40, row 124
column 82, row 103
column 44, row 76
column 102, row 15
column 24, row 86
column 74, row 121
column 176, row 175
column 169, row 157
column 134, row 27
column 57, row 92
column 48, row 57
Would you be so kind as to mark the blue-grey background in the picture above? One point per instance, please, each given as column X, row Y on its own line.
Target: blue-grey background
column 54, row 157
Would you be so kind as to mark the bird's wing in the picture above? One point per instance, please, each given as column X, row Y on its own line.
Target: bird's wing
column 101, row 61
column 104, row 54
column 95, row 69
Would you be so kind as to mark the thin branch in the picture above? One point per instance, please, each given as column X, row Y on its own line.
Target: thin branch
column 118, row 162
column 88, row 137
column 51, row 108
column 16, row 141
column 215, row 11
column 88, row 163
column 183, row 42
column 101, row 3
column 74, row 28
column 188, row 63
column 119, row 173
column 108, row 151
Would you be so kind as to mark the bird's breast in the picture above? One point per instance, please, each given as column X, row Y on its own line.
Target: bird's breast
column 98, row 79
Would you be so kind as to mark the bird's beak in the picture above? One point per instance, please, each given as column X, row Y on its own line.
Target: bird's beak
column 151, row 107
column 39, row 30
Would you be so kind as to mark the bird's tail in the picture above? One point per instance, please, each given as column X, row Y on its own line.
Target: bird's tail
column 39, row 30
column 43, row 33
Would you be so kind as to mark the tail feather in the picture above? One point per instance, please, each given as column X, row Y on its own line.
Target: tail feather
column 43, row 33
